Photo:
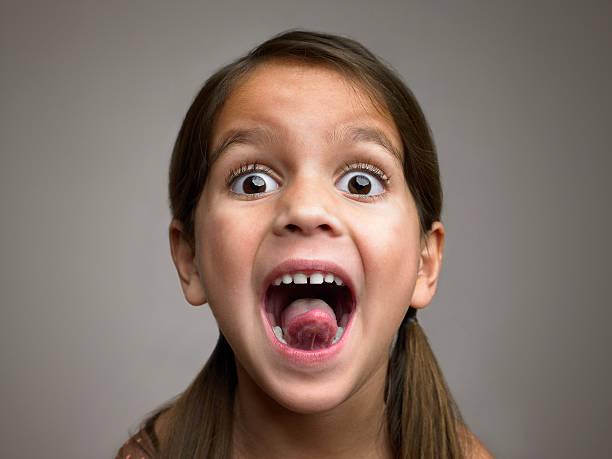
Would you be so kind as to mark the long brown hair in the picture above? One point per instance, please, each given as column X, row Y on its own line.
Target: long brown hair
column 422, row 418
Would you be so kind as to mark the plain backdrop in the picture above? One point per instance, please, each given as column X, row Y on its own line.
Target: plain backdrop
column 94, row 330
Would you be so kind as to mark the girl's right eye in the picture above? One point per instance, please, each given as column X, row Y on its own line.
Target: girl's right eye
column 251, row 180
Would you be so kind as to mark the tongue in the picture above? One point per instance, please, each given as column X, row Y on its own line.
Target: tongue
column 309, row 323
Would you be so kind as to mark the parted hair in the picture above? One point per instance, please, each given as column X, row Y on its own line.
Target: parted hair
column 422, row 418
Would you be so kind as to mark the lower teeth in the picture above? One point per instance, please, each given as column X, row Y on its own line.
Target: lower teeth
column 339, row 333
column 278, row 332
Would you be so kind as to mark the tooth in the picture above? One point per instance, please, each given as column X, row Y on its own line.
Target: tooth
column 278, row 281
column 278, row 332
column 329, row 278
column 339, row 281
column 287, row 279
column 339, row 333
column 299, row 278
column 316, row 278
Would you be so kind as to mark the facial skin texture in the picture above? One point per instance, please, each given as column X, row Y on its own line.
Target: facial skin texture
column 307, row 111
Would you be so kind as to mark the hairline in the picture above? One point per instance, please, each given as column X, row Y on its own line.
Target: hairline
column 351, row 76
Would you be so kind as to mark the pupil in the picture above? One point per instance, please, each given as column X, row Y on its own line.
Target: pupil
column 359, row 183
column 254, row 184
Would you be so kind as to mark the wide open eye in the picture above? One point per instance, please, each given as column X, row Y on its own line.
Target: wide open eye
column 254, row 183
column 361, row 183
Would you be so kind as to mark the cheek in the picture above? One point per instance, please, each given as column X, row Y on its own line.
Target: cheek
column 390, row 253
column 227, row 248
column 393, row 240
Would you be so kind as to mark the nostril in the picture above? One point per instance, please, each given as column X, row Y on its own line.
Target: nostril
column 291, row 227
column 307, row 221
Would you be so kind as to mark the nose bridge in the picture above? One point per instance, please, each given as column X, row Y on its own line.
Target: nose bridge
column 306, row 206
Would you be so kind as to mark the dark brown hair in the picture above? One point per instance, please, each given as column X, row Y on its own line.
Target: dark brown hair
column 422, row 418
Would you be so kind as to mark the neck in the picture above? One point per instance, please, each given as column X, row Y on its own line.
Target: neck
column 355, row 428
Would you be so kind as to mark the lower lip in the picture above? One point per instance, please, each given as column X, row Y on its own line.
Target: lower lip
column 303, row 357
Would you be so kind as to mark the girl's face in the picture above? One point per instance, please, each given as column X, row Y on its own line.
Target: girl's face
column 307, row 179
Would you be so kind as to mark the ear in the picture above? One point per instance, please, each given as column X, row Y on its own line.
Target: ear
column 430, row 263
column 182, row 249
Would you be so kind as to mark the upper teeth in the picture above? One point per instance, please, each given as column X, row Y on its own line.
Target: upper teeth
column 301, row 278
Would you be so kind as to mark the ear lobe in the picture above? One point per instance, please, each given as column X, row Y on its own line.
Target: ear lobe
column 430, row 263
column 183, row 254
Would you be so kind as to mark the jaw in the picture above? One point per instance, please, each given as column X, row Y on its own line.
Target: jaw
column 306, row 382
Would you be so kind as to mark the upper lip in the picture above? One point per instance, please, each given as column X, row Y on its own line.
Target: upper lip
column 310, row 266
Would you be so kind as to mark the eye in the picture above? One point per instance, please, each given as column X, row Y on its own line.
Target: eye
column 251, row 180
column 363, row 180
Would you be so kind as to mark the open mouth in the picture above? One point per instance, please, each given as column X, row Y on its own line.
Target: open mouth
column 309, row 312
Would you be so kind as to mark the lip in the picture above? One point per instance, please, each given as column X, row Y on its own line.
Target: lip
column 308, row 266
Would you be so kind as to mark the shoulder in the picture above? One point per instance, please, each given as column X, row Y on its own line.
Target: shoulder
column 473, row 447
column 139, row 446
column 479, row 451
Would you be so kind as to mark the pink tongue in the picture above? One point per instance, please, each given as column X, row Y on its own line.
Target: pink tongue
column 309, row 323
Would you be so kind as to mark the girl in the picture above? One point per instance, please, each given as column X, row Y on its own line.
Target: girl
column 306, row 202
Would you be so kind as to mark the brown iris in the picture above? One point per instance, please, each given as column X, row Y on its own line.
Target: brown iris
column 254, row 184
column 359, row 184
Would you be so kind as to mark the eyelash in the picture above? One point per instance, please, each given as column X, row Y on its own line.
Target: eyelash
column 243, row 170
column 371, row 168
column 246, row 168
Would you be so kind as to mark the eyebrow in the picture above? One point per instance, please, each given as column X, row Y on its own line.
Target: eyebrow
column 251, row 136
column 264, row 136
column 357, row 134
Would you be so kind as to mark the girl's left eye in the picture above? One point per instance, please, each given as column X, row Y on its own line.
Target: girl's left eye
column 357, row 180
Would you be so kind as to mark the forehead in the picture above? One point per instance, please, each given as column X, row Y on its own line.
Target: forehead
column 288, row 98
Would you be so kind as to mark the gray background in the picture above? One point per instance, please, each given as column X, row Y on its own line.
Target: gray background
column 94, row 329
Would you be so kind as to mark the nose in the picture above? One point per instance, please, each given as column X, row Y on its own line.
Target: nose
column 307, row 207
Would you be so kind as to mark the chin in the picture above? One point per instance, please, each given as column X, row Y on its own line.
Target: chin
column 315, row 399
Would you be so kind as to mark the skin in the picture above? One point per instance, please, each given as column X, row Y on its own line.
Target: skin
column 283, row 409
